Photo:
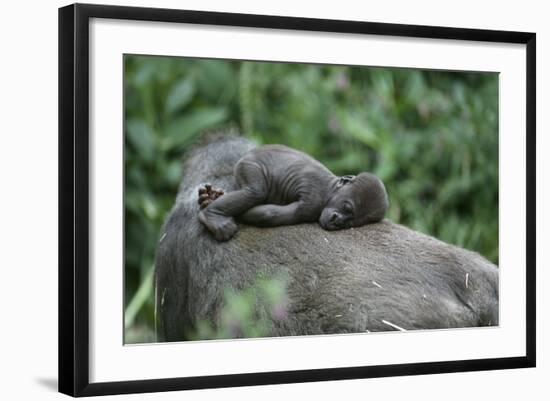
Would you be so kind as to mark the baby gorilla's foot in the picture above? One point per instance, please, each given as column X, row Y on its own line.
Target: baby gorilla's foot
column 208, row 194
column 222, row 227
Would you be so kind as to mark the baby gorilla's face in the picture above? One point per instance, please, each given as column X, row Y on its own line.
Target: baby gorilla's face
column 358, row 201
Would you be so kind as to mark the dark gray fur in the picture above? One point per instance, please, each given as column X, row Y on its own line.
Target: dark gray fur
column 337, row 281
column 277, row 185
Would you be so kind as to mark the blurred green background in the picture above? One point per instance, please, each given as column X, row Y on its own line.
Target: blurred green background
column 431, row 136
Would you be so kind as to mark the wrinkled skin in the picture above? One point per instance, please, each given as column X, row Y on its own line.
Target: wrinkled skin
column 282, row 186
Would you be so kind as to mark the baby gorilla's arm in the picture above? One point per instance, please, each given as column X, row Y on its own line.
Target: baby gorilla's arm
column 272, row 215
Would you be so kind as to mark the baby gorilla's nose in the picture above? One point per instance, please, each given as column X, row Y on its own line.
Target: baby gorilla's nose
column 331, row 219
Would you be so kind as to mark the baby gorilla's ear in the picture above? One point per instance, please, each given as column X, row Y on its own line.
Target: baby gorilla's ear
column 345, row 179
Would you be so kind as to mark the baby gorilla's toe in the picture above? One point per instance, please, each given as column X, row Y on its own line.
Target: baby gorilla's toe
column 204, row 200
column 208, row 194
column 205, row 203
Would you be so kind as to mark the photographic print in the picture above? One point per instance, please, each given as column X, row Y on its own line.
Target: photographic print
column 239, row 206
column 272, row 199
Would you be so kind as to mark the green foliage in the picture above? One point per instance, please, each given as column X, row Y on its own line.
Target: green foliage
column 432, row 137
column 247, row 313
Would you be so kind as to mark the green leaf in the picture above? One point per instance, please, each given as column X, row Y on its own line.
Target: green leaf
column 359, row 128
column 184, row 129
column 144, row 292
column 215, row 80
column 142, row 138
column 150, row 208
column 180, row 95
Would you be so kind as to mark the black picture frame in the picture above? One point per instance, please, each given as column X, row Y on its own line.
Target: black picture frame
column 74, row 198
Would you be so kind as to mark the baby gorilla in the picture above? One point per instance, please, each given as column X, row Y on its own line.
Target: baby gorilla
column 282, row 186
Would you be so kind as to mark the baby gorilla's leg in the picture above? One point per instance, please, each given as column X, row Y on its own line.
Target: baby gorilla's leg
column 272, row 215
column 218, row 216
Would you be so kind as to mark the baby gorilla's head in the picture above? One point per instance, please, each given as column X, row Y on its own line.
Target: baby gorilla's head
column 357, row 201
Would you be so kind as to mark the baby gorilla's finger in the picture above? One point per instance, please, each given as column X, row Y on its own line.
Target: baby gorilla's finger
column 203, row 197
column 205, row 203
column 202, row 191
column 216, row 195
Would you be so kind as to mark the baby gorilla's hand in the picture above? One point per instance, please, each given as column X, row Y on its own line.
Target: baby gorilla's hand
column 208, row 194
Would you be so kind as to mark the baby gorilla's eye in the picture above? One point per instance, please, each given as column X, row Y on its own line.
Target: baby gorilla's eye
column 347, row 208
